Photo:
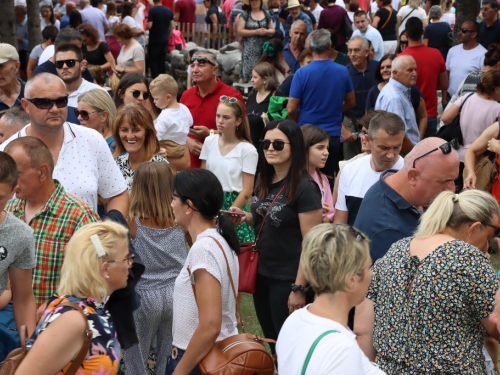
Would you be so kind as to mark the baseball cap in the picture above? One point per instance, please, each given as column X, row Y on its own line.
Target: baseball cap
column 8, row 52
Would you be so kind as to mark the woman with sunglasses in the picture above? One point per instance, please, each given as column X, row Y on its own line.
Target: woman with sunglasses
column 287, row 204
column 131, row 58
column 433, row 292
column 161, row 245
column 135, row 136
column 231, row 156
column 134, row 88
column 96, row 51
column 96, row 263
column 477, row 111
column 336, row 263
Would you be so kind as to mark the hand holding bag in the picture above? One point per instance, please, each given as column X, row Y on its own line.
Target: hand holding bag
column 15, row 357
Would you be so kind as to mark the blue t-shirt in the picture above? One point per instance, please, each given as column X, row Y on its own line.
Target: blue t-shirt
column 161, row 17
column 321, row 87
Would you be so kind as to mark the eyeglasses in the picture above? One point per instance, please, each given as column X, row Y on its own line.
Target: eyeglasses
column 464, row 30
column 445, row 149
column 277, row 145
column 42, row 103
column 137, row 93
column 497, row 229
column 229, row 99
column 84, row 114
column 201, row 60
column 129, row 259
column 69, row 63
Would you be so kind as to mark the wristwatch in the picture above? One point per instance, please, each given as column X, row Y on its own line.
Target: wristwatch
column 299, row 288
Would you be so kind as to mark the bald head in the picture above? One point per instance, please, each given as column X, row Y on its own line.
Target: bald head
column 437, row 156
column 70, row 7
column 43, row 79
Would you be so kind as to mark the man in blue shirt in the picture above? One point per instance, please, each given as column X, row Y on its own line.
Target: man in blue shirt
column 293, row 49
column 490, row 25
column 320, row 92
column 364, row 29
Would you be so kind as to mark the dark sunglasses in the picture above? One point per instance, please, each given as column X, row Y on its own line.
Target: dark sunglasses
column 85, row 114
column 497, row 229
column 69, row 63
column 201, row 60
column 445, row 149
column 229, row 99
column 42, row 103
column 277, row 145
column 137, row 93
column 464, row 30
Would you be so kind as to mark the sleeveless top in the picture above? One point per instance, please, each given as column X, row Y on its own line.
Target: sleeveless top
column 104, row 351
column 163, row 252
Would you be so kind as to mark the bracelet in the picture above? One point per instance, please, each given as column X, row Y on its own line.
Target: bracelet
column 299, row 288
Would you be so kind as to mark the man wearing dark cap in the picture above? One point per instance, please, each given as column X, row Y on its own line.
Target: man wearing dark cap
column 11, row 87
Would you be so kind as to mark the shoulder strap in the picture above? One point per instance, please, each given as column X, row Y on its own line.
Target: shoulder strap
column 82, row 354
column 408, row 15
column 465, row 101
column 265, row 216
column 387, row 20
column 311, row 350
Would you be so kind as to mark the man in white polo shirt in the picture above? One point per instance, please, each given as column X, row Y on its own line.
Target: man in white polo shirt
column 70, row 66
column 385, row 134
column 83, row 162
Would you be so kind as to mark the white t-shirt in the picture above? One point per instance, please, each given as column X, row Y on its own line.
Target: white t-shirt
column 113, row 22
column 409, row 12
column 204, row 254
column 460, row 62
column 47, row 53
column 317, row 12
column 174, row 124
column 355, row 180
column 129, row 21
column 43, row 24
column 85, row 86
column 337, row 353
column 85, row 166
column 229, row 168
column 139, row 16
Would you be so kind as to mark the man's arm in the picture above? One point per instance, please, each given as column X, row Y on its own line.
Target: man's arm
column 293, row 108
column 340, row 216
column 443, row 82
column 119, row 202
column 349, row 101
column 23, row 299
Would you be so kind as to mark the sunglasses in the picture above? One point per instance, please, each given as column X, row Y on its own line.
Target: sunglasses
column 69, row 63
column 403, row 42
column 137, row 93
column 445, row 149
column 277, row 145
column 497, row 229
column 201, row 60
column 229, row 99
column 464, row 30
column 42, row 103
column 85, row 114
column 129, row 259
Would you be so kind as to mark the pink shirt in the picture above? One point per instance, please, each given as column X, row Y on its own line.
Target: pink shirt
column 326, row 193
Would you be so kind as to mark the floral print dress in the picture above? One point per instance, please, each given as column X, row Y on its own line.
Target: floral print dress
column 428, row 312
column 252, row 45
column 104, row 351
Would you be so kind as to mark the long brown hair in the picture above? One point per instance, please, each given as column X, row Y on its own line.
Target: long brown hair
column 243, row 130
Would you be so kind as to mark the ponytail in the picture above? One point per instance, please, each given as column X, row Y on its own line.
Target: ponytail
column 226, row 229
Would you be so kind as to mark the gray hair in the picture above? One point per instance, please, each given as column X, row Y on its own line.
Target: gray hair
column 298, row 22
column 206, row 52
column 435, row 12
column 400, row 62
column 16, row 116
column 66, row 35
column 319, row 41
column 365, row 42
column 47, row 78
column 391, row 123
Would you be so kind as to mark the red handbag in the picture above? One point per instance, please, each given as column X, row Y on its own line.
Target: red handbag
column 248, row 258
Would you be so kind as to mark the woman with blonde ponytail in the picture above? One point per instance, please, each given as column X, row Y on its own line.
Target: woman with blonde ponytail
column 431, row 295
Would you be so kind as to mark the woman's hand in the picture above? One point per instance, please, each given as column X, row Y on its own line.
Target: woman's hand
column 324, row 212
column 296, row 300
column 237, row 219
column 494, row 145
column 163, row 152
column 262, row 31
column 470, row 181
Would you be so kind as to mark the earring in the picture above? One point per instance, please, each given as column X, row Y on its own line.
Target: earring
column 187, row 213
column 107, row 276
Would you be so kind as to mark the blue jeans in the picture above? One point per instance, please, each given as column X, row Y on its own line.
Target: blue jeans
column 172, row 363
column 431, row 127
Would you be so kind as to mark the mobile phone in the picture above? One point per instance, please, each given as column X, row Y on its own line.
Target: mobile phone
column 191, row 127
column 231, row 213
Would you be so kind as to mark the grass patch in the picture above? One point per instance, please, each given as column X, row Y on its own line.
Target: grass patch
column 248, row 315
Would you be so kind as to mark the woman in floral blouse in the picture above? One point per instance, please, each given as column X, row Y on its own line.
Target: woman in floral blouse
column 430, row 297
column 96, row 263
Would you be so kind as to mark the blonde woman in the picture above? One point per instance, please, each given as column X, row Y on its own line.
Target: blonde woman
column 97, row 111
column 336, row 263
column 434, row 290
column 412, row 9
column 96, row 264
column 161, row 245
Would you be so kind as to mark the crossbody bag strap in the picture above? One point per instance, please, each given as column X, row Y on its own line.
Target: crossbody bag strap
column 467, row 98
column 82, row 354
column 311, row 350
column 387, row 21
column 408, row 15
column 269, row 209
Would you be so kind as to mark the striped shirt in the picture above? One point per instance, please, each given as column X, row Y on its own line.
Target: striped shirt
column 53, row 226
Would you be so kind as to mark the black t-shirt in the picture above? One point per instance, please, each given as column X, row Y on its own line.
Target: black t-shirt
column 96, row 57
column 254, row 111
column 49, row 67
column 389, row 30
column 437, row 33
column 280, row 242
column 214, row 9
column 161, row 17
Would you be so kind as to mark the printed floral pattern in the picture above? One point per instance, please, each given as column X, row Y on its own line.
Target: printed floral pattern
column 244, row 232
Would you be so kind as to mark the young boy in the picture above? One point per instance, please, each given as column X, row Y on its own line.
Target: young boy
column 17, row 252
column 173, row 123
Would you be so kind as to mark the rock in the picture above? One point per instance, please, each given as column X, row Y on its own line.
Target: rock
column 178, row 61
column 229, row 47
column 228, row 61
column 191, row 46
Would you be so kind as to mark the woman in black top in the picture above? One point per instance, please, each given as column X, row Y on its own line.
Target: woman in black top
column 96, row 51
column 282, row 177
column 437, row 34
column 385, row 21
column 264, row 83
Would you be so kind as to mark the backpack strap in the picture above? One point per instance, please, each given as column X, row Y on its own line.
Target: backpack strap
column 311, row 350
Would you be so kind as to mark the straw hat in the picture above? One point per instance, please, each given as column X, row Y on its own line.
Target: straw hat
column 293, row 4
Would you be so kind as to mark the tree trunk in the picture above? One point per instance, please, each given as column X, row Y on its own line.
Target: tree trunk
column 34, row 32
column 8, row 32
column 467, row 10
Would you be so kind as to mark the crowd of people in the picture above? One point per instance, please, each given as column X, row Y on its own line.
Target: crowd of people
column 126, row 199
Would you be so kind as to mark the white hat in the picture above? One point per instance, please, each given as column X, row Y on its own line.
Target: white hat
column 8, row 52
column 293, row 4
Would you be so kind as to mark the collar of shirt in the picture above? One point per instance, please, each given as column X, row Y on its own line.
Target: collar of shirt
column 393, row 195
column 21, row 93
column 399, row 86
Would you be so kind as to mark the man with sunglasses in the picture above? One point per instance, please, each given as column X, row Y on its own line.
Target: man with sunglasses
column 11, row 87
column 392, row 207
column 466, row 57
column 489, row 31
column 202, row 101
column 70, row 66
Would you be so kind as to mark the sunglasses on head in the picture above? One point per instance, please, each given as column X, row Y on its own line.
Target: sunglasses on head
column 69, row 63
column 137, row 93
column 464, row 30
column 42, row 103
column 201, row 60
column 85, row 114
column 229, row 99
column 497, row 229
column 277, row 145
column 445, row 149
